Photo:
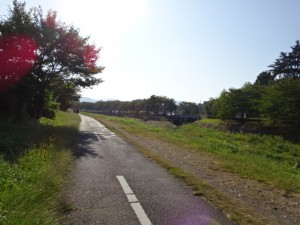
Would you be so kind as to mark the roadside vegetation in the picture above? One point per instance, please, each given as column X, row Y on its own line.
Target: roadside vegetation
column 35, row 157
column 212, row 121
column 274, row 97
column 269, row 159
column 155, row 105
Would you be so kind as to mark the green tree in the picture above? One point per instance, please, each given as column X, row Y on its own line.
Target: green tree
column 169, row 105
column 160, row 104
column 264, row 78
column 280, row 102
column 209, row 108
column 238, row 102
column 190, row 108
column 137, row 105
column 65, row 94
column 288, row 64
column 223, row 105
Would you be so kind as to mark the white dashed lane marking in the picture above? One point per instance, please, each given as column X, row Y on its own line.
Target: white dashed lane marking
column 103, row 131
column 134, row 202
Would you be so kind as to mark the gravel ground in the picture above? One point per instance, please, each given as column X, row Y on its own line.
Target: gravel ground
column 265, row 200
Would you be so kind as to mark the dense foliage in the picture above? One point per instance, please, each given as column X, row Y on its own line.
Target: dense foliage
column 43, row 63
column 288, row 64
column 274, row 96
column 155, row 105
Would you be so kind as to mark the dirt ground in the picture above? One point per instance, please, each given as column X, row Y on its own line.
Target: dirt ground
column 272, row 203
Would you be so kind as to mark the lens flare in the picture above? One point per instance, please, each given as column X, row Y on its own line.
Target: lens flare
column 17, row 57
column 90, row 56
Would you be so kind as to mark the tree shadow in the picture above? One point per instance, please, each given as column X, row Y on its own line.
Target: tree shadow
column 17, row 139
column 83, row 147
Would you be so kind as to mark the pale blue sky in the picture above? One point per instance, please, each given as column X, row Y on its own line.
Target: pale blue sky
column 189, row 50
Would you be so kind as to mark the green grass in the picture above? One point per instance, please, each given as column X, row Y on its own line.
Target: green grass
column 212, row 121
column 35, row 158
column 269, row 159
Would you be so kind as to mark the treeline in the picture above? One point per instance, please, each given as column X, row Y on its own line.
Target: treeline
column 273, row 97
column 155, row 105
column 43, row 63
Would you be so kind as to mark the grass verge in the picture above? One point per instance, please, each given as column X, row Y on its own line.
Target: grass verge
column 35, row 158
column 212, row 121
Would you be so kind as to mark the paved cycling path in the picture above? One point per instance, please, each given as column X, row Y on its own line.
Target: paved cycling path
column 112, row 183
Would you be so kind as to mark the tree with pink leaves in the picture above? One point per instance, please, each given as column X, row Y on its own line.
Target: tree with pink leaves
column 43, row 63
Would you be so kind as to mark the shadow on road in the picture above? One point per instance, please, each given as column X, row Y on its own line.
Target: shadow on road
column 83, row 148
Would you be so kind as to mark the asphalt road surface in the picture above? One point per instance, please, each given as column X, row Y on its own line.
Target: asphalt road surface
column 113, row 184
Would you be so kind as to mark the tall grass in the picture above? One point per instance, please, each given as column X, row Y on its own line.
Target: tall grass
column 34, row 160
column 269, row 159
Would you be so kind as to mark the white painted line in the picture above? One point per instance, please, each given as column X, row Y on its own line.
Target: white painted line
column 98, row 137
column 109, row 136
column 127, row 190
column 132, row 198
column 139, row 211
column 134, row 202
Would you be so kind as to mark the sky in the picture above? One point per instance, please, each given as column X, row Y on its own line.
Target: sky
column 188, row 50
